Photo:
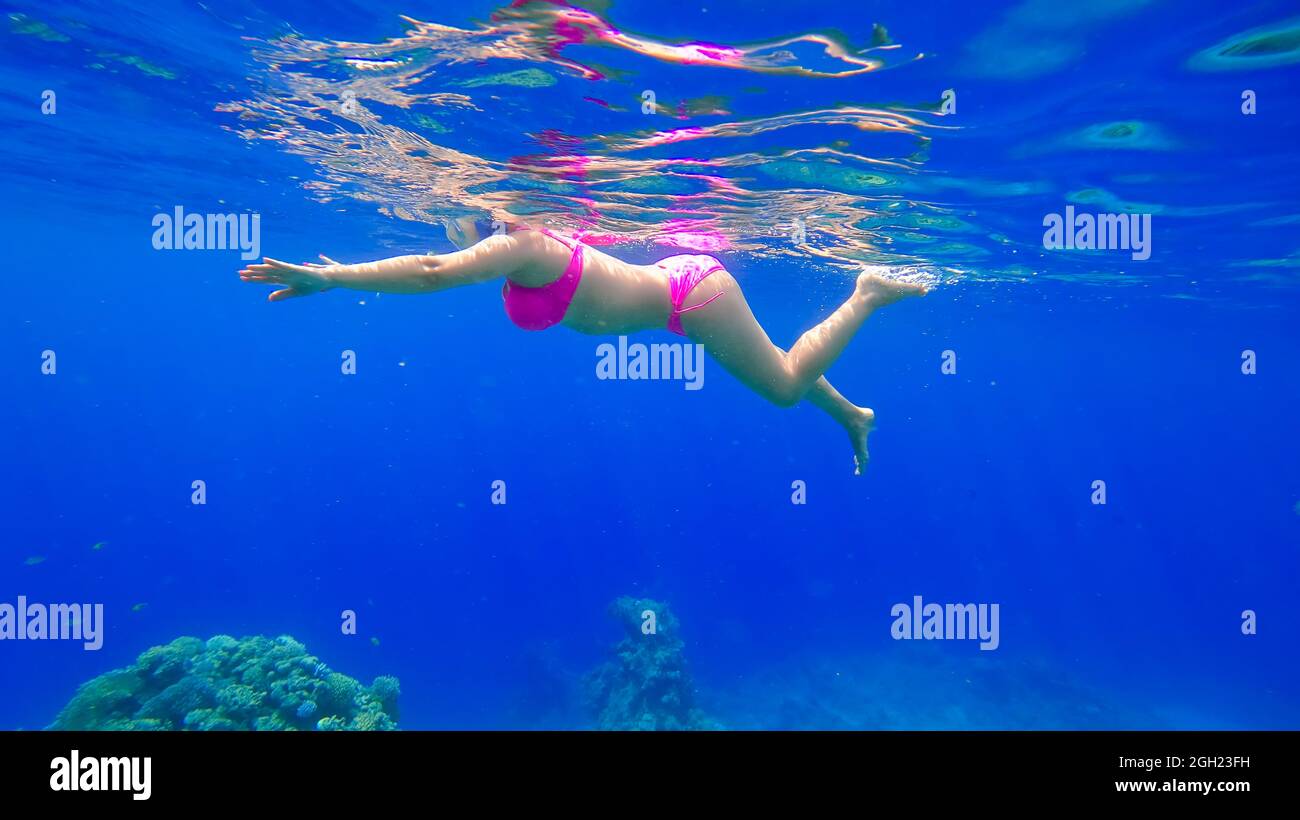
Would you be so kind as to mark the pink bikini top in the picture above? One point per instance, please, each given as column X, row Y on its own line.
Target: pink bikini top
column 542, row 307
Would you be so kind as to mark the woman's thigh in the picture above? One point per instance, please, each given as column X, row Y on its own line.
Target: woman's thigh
column 732, row 335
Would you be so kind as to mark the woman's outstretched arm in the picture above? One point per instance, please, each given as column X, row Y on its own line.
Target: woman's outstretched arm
column 492, row 258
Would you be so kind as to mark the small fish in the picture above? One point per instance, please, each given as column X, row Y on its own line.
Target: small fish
column 139, row 607
column 1297, row 508
column 374, row 641
column 34, row 560
column 99, row 545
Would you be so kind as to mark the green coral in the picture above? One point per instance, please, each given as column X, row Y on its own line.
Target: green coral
column 240, row 701
column 225, row 684
column 647, row 685
column 385, row 689
column 180, row 698
column 338, row 693
column 166, row 664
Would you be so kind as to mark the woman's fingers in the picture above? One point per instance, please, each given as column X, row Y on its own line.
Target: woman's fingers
column 275, row 271
column 250, row 276
column 286, row 293
column 276, row 264
column 321, row 265
column 268, row 264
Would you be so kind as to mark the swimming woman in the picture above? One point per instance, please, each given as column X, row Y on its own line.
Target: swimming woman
column 552, row 279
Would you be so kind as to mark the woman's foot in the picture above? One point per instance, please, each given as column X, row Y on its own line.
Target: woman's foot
column 859, row 428
column 879, row 291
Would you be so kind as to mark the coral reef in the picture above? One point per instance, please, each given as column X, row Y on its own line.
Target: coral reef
column 255, row 683
column 646, row 686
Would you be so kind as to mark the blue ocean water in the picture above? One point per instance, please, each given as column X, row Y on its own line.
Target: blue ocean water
column 353, row 128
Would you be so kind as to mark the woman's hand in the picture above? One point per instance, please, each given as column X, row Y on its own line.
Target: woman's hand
column 298, row 280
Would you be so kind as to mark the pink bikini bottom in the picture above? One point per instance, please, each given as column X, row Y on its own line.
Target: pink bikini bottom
column 685, row 271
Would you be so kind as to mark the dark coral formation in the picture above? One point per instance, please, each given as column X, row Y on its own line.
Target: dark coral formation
column 256, row 683
column 646, row 686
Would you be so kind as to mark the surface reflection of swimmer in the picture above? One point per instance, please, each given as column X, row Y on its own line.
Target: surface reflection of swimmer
column 552, row 279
